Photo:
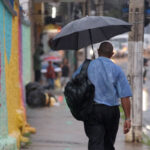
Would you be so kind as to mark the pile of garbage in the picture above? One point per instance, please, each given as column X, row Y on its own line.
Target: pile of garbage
column 37, row 96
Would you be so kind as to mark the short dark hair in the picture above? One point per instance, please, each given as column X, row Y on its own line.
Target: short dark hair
column 105, row 49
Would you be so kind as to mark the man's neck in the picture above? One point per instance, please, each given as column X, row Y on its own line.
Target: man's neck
column 104, row 56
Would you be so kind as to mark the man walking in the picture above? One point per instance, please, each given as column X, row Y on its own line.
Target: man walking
column 110, row 84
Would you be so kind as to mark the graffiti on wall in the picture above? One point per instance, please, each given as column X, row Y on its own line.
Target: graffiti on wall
column 11, row 77
column 0, row 53
column 3, row 110
column 0, row 70
column 8, row 35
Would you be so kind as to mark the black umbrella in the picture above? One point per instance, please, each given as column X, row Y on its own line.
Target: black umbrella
column 88, row 30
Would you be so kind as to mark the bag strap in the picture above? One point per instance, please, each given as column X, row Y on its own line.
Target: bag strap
column 85, row 66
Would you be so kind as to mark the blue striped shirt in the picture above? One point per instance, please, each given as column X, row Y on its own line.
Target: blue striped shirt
column 109, row 80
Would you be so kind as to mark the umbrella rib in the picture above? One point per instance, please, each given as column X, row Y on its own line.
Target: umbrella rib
column 104, row 33
column 77, row 40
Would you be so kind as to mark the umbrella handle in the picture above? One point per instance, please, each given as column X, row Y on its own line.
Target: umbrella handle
column 91, row 40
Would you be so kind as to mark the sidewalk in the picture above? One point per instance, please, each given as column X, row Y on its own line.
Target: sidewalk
column 57, row 130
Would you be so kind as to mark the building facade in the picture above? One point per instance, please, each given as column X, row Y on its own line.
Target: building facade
column 14, row 73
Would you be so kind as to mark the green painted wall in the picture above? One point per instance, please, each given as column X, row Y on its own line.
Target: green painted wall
column 26, row 48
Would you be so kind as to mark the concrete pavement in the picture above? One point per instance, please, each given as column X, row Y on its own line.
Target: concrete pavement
column 58, row 130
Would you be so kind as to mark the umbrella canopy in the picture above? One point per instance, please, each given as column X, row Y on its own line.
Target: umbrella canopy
column 88, row 30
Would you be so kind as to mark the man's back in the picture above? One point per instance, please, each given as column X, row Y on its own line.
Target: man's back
column 109, row 81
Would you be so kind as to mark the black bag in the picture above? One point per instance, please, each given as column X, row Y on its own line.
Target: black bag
column 35, row 95
column 79, row 94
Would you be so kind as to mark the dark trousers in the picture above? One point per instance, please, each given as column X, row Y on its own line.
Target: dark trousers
column 102, row 126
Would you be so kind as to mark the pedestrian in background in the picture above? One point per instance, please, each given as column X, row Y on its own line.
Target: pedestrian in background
column 50, row 75
column 37, row 62
column 110, row 84
column 65, row 72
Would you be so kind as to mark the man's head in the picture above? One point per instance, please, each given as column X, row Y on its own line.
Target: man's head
column 105, row 49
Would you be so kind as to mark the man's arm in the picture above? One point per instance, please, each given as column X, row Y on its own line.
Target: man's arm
column 126, row 107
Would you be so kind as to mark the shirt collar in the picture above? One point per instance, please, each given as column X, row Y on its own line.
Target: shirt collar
column 104, row 58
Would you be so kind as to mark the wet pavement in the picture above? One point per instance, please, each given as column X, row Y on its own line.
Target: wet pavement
column 58, row 130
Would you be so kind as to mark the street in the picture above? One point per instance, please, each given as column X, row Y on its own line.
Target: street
column 58, row 130
column 42, row 42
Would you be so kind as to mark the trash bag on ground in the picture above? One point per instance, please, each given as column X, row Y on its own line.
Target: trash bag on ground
column 35, row 95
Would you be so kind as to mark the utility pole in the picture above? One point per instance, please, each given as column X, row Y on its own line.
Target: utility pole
column 88, row 13
column 31, row 11
column 83, row 9
column 89, row 7
column 135, row 67
column 99, row 7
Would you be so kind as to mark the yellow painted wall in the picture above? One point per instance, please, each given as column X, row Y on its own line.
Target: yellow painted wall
column 17, row 124
column 13, row 121
column 13, row 87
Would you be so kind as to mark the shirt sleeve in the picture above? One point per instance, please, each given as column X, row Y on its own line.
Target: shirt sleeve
column 123, row 87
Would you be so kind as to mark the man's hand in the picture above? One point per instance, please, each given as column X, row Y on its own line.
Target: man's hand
column 126, row 107
column 127, row 126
